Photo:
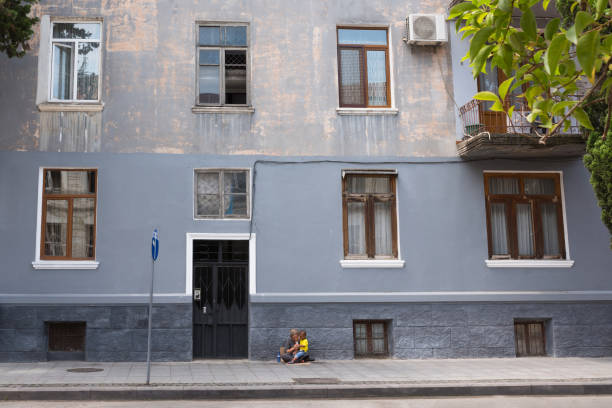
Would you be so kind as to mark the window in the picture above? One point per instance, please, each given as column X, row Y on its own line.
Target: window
column 363, row 68
column 222, row 65
column 75, row 61
column 524, row 216
column 370, row 338
column 222, row 194
column 529, row 338
column 369, row 216
column 68, row 215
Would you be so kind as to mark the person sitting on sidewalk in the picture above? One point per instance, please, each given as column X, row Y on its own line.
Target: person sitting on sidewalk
column 303, row 348
column 291, row 346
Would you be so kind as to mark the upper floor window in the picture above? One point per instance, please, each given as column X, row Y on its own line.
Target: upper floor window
column 222, row 193
column 75, row 61
column 222, row 64
column 68, row 214
column 524, row 216
column 369, row 219
column 363, row 67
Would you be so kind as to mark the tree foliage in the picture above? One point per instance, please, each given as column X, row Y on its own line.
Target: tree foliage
column 16, row 26
column 550, row 63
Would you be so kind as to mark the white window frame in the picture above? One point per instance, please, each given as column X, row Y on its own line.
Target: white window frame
column 62, row 264
column 222, row 170
column 535, row 263
column 74, row 57
column 223, row 48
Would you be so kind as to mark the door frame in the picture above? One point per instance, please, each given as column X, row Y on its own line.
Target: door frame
column 192, row 236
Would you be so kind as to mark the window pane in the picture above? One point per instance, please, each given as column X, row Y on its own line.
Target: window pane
column 540, row 186
column 83, row 213
column 209, row 57
column 56, row 227
column 488, row 82
column 235, row 204
column 235, row 35
column 235, row 77
column 550, row 229
column 70, row 182
column 378, row 346
column 351, row 77
column 88, row 66
column 365, row 184
column 503, row 185
column 83, row 31
column 524, row 225
column 499, row 231
column 209, row 36
column 377, row 78
column 360, row 331
column 365, row 37
column 383, row 235
column 235, row 181
column 356, row 228
column 208, row 205
column 209, row 84
column 208, row 183
column 62, row 71
column 361, row 346
column 378, row 330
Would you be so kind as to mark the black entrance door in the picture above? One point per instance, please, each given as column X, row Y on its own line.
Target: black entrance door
column 220, row 299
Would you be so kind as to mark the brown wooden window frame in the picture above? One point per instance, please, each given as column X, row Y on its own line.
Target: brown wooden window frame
column 370, row 340
column 528, row 351
column 369, row 199
column 364, row 48
column 70, row 198
column 222, row 195
column 511, row 200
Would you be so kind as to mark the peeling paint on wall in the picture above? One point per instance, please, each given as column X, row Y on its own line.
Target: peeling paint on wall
column 70, row 131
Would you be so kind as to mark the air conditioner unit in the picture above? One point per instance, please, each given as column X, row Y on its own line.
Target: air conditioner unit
column 426, row 29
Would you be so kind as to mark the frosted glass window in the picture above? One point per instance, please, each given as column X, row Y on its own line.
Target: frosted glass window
column 222, row 194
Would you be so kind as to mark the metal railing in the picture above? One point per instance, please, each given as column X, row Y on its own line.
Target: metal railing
column 478, row 118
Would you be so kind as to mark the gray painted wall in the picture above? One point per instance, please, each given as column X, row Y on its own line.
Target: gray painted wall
column 297, row 220
column 148, row 84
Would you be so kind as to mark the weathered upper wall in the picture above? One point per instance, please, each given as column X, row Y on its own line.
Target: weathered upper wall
column 149, row 72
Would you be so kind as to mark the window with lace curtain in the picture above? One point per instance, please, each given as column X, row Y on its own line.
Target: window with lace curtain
column 369, row 219
column 524, row 216
column 68, row 214
column 363, row 67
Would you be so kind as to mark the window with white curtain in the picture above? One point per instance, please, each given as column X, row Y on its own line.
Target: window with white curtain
column 75, row 61
column 69, row 214
column 524, row 216
column 221, row 193
column 370, row 221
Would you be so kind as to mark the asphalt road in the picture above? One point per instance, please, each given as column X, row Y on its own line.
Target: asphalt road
column 474, row 402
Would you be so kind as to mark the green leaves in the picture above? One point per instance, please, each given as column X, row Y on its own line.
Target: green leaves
column 478, row 40
column 551, row 28
column 505, row 5
column 586, row 52
column 583, row 118
column 583, row 19
column 504, row 86
column 460, row 8
column 528, row 24
column 600, row 7
column 553, row 54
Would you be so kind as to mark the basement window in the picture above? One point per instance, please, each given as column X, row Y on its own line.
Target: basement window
column 370, row 338
column 530, row 338
column 66, row 340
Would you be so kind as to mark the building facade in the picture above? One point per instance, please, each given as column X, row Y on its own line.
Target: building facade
column 305, row 167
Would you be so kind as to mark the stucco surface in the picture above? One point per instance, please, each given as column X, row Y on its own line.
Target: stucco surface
column 149, row 76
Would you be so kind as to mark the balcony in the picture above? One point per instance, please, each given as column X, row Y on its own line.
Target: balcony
column 491, row 135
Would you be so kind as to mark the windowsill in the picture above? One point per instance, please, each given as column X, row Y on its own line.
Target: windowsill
column 222, row 109
column 65, row 264
column 529, row 263
column 71, row 107
column 367, row 111
column 372, row 263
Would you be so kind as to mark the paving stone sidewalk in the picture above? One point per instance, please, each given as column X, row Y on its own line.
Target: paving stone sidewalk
column 258, row 373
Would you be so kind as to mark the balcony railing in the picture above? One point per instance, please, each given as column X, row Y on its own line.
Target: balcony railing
column 477, row 118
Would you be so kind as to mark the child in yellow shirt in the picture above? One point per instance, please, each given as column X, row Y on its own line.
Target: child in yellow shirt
column 303, row 347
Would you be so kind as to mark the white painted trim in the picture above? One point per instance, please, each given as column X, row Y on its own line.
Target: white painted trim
column 529, row 263
column 90, row 298
column 372, row 263
column 560, row 173
column 39, row 215
column 191, row 236
column 458, row 296
column 225, row 109
column 85, row 106
column 367, row 111
column 65, row 264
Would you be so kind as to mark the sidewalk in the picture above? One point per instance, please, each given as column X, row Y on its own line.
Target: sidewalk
column 256, row 379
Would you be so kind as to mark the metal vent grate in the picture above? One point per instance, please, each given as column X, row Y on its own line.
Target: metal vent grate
column 425, row 28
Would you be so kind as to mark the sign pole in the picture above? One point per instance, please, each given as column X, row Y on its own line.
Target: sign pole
column 154, row 253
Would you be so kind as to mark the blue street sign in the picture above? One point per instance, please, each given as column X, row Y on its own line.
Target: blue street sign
column 155, row 244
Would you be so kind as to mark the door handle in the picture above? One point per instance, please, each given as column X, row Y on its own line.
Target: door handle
column 196, row 294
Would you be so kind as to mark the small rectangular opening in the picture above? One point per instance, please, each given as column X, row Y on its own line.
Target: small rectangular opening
column 66, row 340
column 370, row 338
column 530, row 338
